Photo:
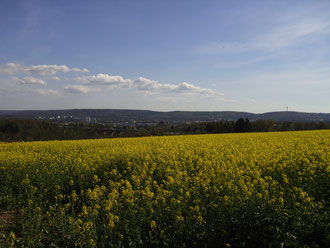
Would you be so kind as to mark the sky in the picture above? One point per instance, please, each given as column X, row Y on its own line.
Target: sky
column 196, row 55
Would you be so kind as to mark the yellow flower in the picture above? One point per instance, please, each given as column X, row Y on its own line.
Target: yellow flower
column 226, row 199
column 71, row 220
column 74, row 196
column 179, row 218
column 153, row 224
column 91, row 242
column 281, row 200
column 12, row 236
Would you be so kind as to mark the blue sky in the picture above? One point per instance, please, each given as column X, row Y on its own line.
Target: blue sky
column 254, row 56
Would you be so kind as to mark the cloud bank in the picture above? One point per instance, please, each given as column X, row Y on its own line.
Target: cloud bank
column 29, row 80
column 103, row 79
column 41, row 70
column 88, row 83
column 142, row 84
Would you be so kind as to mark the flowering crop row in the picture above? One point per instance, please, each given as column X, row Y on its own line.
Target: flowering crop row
column 238, row 190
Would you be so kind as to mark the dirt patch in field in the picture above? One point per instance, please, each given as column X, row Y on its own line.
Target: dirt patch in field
column 7, row 218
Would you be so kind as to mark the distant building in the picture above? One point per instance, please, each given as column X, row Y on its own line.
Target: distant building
column 88, row 119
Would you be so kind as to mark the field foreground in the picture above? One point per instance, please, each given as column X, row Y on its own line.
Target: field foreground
column 226, row 190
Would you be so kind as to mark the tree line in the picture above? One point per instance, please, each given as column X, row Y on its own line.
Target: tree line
column 34, row 130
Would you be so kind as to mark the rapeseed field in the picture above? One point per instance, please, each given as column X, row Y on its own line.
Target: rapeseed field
column 226, row 190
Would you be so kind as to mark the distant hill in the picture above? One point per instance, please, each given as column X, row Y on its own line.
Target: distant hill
column 120, row 115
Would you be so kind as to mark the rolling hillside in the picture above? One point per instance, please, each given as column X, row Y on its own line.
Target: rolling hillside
column 120, row 115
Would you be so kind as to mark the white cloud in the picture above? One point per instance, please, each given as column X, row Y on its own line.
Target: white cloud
column 47, row 92
column 146, row 84
column 42, row 70
column 9, row 68
column 143, row 84
column 46, row 69
column 189, row 88
column 78, row 89
column 103, row 79
column 29, row 80
column 79, row 70
column 55, row 78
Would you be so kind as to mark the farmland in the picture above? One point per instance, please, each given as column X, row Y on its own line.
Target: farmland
column 219, row 190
